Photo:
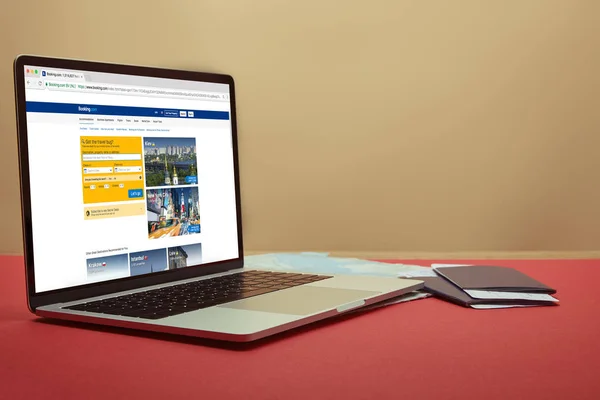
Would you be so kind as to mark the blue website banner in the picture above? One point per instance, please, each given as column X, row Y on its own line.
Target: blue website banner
column 93, row 109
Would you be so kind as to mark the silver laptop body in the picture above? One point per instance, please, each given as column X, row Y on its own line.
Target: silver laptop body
column 131, row 207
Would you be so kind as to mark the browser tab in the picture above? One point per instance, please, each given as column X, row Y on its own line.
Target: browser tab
column 62, row 75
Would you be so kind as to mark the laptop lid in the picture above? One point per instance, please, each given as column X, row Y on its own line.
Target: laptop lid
column 129, row 176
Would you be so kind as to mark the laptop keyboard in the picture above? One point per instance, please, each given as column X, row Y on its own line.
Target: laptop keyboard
column 178, row 299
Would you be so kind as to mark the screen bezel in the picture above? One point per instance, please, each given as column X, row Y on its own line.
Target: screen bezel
column 34, row 299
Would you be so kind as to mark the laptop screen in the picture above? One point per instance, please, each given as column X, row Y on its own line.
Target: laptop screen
column 129, row 175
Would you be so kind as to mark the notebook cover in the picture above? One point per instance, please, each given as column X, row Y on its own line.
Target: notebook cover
column 441, row 288
column 494, row 278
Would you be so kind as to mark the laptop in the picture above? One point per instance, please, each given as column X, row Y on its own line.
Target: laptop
column 130, row 194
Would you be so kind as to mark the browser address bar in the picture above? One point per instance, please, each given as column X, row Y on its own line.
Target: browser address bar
column 131, row 90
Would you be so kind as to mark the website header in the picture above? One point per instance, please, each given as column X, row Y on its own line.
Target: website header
column 96, row 109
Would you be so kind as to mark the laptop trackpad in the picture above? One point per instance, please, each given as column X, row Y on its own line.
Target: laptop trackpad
column 301, row 300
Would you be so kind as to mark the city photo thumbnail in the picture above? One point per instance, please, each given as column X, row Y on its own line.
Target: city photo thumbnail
column 185, row 256
column 146, row 262
column 170, row 161
column 107, row 267
column 172, row 212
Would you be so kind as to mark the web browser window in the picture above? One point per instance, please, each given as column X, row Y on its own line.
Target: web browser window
column 129, row 175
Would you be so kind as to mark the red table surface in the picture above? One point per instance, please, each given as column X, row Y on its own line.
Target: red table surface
column 423, row 349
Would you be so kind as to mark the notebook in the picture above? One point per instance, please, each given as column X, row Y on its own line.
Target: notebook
column 147, row 160
column 484, row 287
column 445, row 290
column 491, row 278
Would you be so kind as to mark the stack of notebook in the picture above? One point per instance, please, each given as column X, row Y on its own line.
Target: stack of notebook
column 485, row 287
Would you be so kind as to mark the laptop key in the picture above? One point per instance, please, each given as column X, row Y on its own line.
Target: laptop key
column 281, row 287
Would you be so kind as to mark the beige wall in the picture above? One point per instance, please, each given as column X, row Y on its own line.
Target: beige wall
column 403, row 126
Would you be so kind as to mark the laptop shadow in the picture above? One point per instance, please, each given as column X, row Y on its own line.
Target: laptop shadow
column 213, row 343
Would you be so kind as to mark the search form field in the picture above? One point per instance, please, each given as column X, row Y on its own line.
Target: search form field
column 98, row 170
column 111, row 157
column 128, row 169
column 113, row 178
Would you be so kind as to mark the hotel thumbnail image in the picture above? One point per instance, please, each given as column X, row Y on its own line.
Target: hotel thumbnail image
column 172, row 212
column 146, row 262
column 170, row 161
column 185, row 256
column 107, row 267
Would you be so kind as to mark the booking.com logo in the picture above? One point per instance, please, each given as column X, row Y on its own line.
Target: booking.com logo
column 43, row 73
column 86, row 109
